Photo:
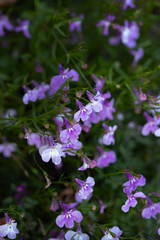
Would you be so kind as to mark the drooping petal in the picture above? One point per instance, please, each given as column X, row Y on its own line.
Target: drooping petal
column 60, row 220
column 116, row 231
column 75, row 76
column 77, row 216
column 64, row 136
column 91, row 181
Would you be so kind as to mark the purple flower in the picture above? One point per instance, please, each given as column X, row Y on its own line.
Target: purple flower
column 128, row 3
column 137, row 55
column 95, row 101
column 10, row 113
column 58, row 80
column 85, row 187
column 108, row 137
column 115, row 40
column 83, row 113
column 39, row 68
column 78, row 235
column 106, row 158
column 76, row 25
column 99, row 82
column 21, row 188
column 53, row 152
column 158, row 231
column 106, row 23
column 107, row 111
column 7, row 149
column 131, row 201
column 71, row 132
column 133, row 182
column 151, row 125
column 130, row 33
column 34, row 139
column 103, row 206
column 54, row 205
column 23, row 26
column 87, row 163
column 4, row 24
column 59, row 121
column 68, row 217
column 60, row 236
column 71, row 147
column 112, row 234
column 9, row 229
column 36, row 93
column 79, row 200
column 151, row 210
column 31, row 95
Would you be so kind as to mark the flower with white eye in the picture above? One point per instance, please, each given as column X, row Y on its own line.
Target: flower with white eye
column 54, row 152
column 9, row 229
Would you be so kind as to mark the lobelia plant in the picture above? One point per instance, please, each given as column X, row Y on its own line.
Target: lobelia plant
column 97, row 98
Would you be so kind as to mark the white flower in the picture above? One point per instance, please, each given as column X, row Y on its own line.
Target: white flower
column 9, row 229
column 55, row 153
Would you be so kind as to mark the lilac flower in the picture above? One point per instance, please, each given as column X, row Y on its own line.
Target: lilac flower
column 115, row 40
column 7, row 149
column 23, row 26
column 59, row 121
column 54, row 205
column 158, row 231
column 76, row 25
column 99, row 82
column 78, row 235
column 36, row 93
column 133, row 182
column 71, row 147
column 93, row 118
column 9, row 229
column 79, row 200
column 96, row 101
column 41, row 89
column 4, row 24
column 87, row 163
column 20, row 189
column 103, row 206
column 106, row 158
column 106, row 23
column 137, row 55
column 128, row 3
column 60, row 237
column 151, row 125
column 39, row 68
column 130, row 33
column 68, row 217
column 70, row 133
column 53, row 152
column 87, row 125
column 131, row 201
column 58, row 80
column 151, row 210
column 108, row 137
column 30, row 95
column 107, row 111
column 83, row 113
column 85, row 187
column 112, row 234
column 10, row 113
column 34, row 139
